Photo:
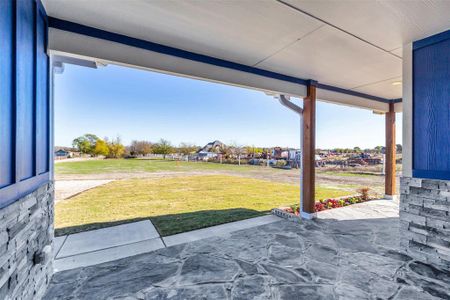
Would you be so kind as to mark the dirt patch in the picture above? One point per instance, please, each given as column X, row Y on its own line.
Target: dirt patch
column 323, row 178
column 65, row 189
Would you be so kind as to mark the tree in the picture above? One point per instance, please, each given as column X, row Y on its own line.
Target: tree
column 186, row 148
column 378, row 149
column 116, row 149
column 163, row 147
column 222, row 149
column 85, row 143
column 140, row 148
column 236, row 151
column 101, row 148
column 357, row 150
column 254, row 151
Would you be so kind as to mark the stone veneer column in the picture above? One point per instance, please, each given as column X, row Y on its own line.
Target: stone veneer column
column 425, row 220
column 26, row 236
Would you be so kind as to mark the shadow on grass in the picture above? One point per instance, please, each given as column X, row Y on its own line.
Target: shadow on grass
column 175, row 223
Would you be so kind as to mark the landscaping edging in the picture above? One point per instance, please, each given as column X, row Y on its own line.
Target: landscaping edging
column 286, row 215
column 292, row 213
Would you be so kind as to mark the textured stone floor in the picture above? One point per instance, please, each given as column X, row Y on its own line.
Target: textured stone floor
column 322, row 259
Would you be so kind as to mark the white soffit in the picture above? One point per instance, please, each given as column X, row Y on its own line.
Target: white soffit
column 337, row 59
column 384, row 88
column 389, row 24
column 82, row 47
column 240, row 31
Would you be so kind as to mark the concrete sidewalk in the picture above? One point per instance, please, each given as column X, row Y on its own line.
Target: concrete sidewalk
column 112, row 243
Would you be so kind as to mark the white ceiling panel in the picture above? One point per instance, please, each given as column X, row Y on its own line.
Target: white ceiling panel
column 391, row 88
column 388, row 24
column 336, row 59
column 233, row 30
column 398, row 52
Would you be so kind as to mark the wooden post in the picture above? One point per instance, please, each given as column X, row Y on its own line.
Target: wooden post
column 390, row 152
column 309, row 147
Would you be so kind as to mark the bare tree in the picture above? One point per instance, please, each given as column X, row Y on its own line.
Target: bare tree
column 237, row 150
column 187, row 148
column 140, row 148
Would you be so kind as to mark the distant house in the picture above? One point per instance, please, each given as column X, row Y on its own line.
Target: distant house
column 287, row 153
column 204, row 155
column 62, row 153
column 213, row 147
column 66, row 152
column 210, row 150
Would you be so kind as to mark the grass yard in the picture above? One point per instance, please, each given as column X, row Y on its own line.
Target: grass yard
column 349, row 174
column 174, row 205
column 140, row 165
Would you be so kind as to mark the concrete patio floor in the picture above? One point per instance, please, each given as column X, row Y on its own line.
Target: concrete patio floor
column 107, row 244
column 320, row 259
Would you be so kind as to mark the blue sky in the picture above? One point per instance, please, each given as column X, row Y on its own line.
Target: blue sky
column 135, row 104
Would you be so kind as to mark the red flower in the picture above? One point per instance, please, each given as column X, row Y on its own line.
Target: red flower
column 319, row 206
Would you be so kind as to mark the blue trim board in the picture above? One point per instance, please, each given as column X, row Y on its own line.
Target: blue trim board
column 41, row 9
column 159, row 48
column 427, row 174
column 431, row 40
column 14, row 192
column 7, row 71
column 353, row 93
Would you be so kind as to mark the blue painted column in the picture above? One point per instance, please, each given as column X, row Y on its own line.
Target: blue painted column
column 425, row 185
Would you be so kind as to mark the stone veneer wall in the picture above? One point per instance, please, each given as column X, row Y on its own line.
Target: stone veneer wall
column 26, row 235
column 425, row 220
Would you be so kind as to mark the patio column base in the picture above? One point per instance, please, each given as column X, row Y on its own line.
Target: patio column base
column 391, row 197
column 308, row 216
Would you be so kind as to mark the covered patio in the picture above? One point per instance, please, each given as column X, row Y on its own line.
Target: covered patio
column 384, row 56
column 320, row 259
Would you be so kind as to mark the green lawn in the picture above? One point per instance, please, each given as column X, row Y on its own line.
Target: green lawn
column 175, row 205
column 140, row 165
column 350, row 174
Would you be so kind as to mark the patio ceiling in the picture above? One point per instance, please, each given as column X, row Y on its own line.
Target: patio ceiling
column 354, row 45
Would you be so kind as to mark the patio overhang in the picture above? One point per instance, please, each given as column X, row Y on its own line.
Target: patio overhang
column 273, row 46
column 97, row 46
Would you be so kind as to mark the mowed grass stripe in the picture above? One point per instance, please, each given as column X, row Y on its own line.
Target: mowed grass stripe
column 141, row 165
column 177, row 204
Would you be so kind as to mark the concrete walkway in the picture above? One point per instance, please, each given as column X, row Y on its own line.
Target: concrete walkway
column 373, row 209
column 112, row 243
column 65, row 189
column 320, row 259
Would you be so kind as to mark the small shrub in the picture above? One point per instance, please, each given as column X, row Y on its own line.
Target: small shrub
column 295, row 208
column 364, row 193
column 353, row 200
column 281, row 163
